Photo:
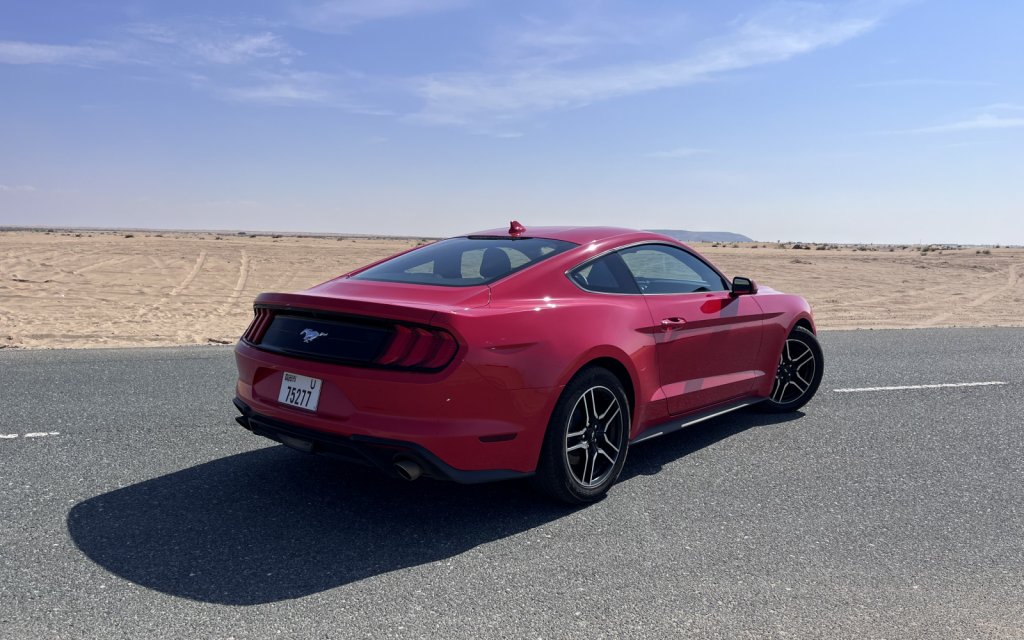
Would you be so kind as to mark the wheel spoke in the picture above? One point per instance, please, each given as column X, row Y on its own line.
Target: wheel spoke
column 805, row 357
column 782, row 393
column 586, row 463
column 798, row 387
column 609, row 443
column 605, row 454
column 615, row 406
column 580, row 445
column 801, row 379
column 776, row 396
column 593, row 417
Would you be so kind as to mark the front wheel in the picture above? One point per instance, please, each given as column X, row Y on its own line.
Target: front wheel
column 798, row 375
column 585, row 445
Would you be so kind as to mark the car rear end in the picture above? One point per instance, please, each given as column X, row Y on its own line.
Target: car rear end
column 384, row 373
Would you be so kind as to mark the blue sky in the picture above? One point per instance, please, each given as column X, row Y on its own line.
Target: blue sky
column 873, row 121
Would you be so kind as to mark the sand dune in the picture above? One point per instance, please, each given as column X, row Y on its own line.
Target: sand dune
column 95, row 289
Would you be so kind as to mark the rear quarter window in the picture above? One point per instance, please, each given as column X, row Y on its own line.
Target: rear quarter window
column 607, row 274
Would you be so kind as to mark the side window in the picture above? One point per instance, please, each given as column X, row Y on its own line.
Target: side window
column 661, row 268
column 606, row 274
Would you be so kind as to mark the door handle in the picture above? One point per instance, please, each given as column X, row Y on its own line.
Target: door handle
column 672, row 322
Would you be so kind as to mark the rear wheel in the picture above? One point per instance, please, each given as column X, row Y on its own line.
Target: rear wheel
column 585, row 444
column 798, row 375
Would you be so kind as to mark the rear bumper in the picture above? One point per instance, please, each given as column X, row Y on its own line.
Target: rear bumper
column 381, row 453
column 465, row 421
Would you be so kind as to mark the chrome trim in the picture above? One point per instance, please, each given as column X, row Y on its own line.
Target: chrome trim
column 669, row 427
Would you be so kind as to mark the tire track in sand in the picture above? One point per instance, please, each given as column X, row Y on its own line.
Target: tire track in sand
column 1012, row 279
column 200, row 260
column 181, row 286
column 243, row 279
column 102, row 263
column 998, row 290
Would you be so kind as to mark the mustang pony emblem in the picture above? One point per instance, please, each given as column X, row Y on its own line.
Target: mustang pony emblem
column 309, row 335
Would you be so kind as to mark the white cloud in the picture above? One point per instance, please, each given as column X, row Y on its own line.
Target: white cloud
column 782, row 33
column 678, row 152
column 157, row 45
column 21, row 188
column 241, row 49
column 1003, row 106
column 291, row 87
column 981, row 122
column 19, row 52
column 283, row 88
column 925, row 82
column 206, row 43
column 545, row 42
column 341, row 15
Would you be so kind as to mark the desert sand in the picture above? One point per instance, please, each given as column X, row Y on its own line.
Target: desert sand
column 74, row 289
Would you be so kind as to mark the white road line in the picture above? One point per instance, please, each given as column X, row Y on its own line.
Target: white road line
column 8, row 436
column 34, row 434
column 923, row 386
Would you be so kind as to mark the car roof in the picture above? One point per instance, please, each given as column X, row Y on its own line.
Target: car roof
column 577, row 235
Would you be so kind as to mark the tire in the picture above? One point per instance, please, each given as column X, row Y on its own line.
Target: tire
column 586, row 441
column 798, row 375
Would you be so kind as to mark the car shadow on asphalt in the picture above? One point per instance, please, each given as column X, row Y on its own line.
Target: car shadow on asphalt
column 272, row 524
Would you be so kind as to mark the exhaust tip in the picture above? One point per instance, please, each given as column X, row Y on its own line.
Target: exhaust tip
column 408, row 470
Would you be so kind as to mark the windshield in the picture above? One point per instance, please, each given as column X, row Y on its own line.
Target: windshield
column 465, row 262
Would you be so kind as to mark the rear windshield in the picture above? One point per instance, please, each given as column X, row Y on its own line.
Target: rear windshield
column 464, row 262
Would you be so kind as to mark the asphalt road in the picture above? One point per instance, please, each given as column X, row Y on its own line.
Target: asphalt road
column 146, row 512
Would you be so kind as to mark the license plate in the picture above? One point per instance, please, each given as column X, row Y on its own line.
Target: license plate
column 300, row 391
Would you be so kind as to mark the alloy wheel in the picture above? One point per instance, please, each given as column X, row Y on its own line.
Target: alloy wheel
column 795, row 374
column 596, row 423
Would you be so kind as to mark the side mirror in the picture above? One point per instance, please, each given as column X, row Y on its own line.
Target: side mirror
column 743, row 286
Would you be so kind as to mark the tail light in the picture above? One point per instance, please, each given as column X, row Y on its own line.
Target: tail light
column 261, row 319
column 419, row 348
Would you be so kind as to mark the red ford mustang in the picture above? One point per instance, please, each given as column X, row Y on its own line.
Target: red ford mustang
column 541, row 353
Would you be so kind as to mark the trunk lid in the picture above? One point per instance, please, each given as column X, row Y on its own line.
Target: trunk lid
column 414, row 303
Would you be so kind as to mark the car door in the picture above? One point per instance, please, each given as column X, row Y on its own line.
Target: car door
column 707, row 340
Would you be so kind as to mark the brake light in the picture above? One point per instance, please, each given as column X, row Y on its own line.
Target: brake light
column 419, row 348
column 261, row 319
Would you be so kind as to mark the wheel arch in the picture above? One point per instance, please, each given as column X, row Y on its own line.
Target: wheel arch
column 805, row 323
column 620, row 371
column 618, row 364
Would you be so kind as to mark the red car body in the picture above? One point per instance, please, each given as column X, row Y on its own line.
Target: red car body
column 501, row 354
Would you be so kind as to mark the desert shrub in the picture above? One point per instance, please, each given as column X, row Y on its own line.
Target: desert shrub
column 129, row 235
